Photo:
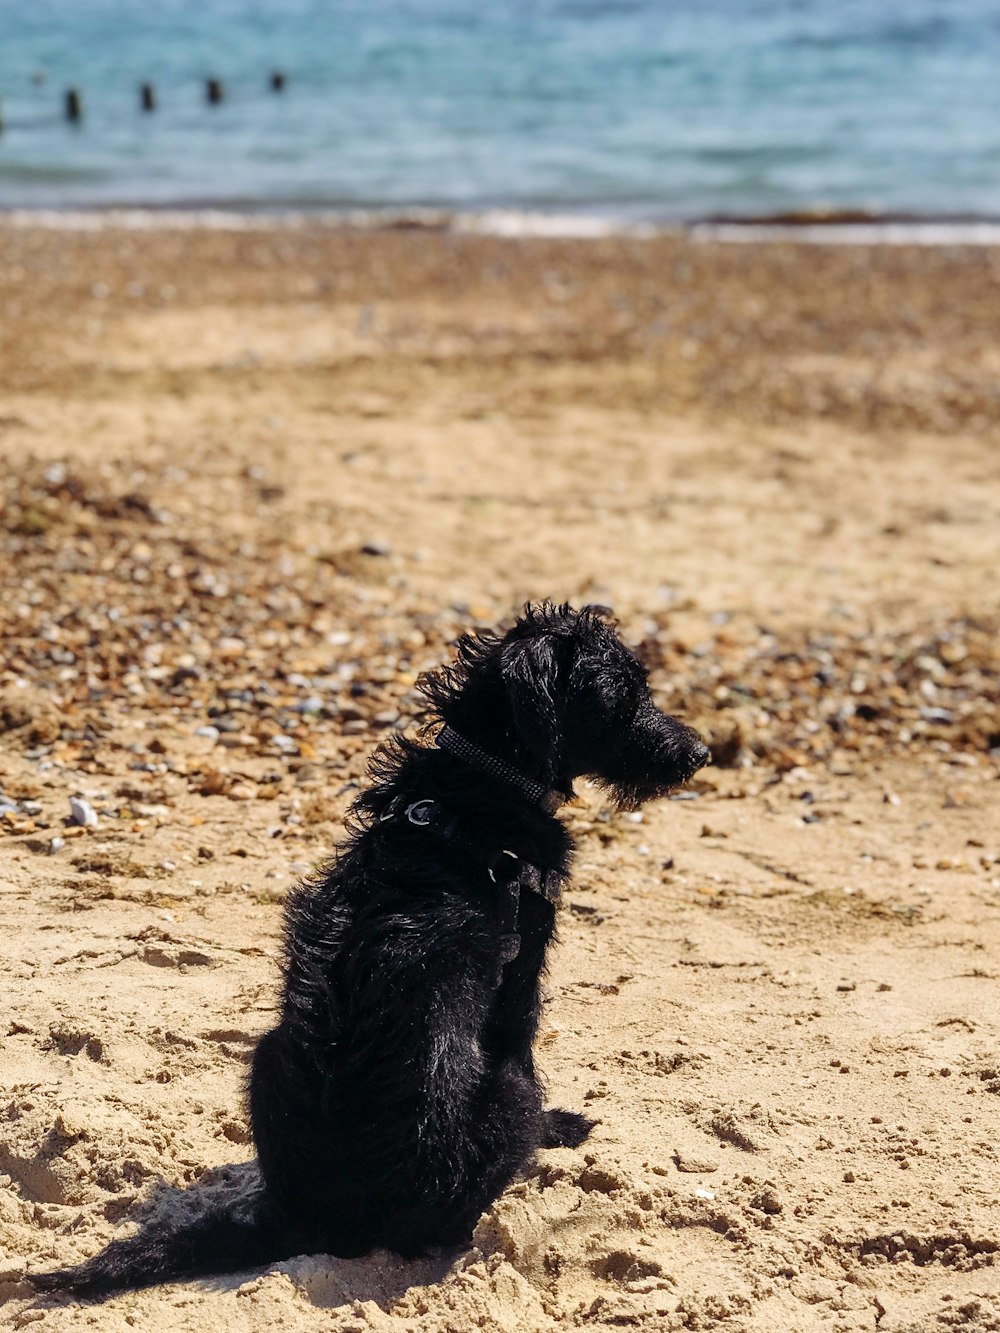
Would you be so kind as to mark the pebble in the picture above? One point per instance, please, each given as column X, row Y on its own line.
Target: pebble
column 944, row 716
column 210, row 733
column 236, row 740
column 56, row 844
column 312, row 704
column 158, row 811
column 82, row 812
column 694, row 1164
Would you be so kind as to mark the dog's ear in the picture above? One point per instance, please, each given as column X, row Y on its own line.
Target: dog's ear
column 530, row 672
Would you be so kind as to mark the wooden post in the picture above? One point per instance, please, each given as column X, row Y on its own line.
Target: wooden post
column 213, row 91
column 147, row 97
column 73, row 106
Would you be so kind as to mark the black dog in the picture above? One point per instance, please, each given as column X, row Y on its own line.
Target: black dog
column 397, row 1097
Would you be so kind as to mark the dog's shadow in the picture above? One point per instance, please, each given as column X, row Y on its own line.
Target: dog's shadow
column 325, row 1280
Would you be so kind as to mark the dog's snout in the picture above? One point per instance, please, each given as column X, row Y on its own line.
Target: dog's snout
column 702, row 755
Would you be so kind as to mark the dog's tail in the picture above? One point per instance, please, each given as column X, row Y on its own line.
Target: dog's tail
column 230, row 1234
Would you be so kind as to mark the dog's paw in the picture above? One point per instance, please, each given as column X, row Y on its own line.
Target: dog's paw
column 565, row 1129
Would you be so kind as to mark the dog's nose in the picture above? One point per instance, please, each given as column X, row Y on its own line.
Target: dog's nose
column 702, row 756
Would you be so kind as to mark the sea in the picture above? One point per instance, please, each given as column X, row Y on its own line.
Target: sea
column 593, row 112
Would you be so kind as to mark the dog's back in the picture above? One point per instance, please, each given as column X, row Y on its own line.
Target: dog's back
column 380, row 1113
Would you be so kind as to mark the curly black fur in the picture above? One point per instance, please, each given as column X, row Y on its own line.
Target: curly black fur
column 397, row 1097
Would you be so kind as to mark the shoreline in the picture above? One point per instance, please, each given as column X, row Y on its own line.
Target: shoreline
column 819, row 229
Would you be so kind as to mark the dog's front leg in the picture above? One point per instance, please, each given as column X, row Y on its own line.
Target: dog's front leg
column 513, row 1020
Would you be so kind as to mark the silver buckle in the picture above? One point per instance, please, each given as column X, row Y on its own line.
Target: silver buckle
column 420, row 813
column 503, row 852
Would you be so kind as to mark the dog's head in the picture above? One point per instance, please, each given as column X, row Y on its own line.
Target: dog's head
column 568, row 699
column 579, row 698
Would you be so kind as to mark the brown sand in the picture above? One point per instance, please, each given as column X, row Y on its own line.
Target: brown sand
column 258, row 481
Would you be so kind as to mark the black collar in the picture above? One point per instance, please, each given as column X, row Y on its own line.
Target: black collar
column 550, row 799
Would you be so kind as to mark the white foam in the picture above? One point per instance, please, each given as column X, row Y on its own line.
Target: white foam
column 851, row 233
column 497, row 222
column 150, row 219
column 508, row 223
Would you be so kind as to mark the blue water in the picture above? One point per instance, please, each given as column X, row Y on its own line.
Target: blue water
column 633, row 108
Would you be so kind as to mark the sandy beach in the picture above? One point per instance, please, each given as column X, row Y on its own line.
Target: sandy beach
column 254, row 482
